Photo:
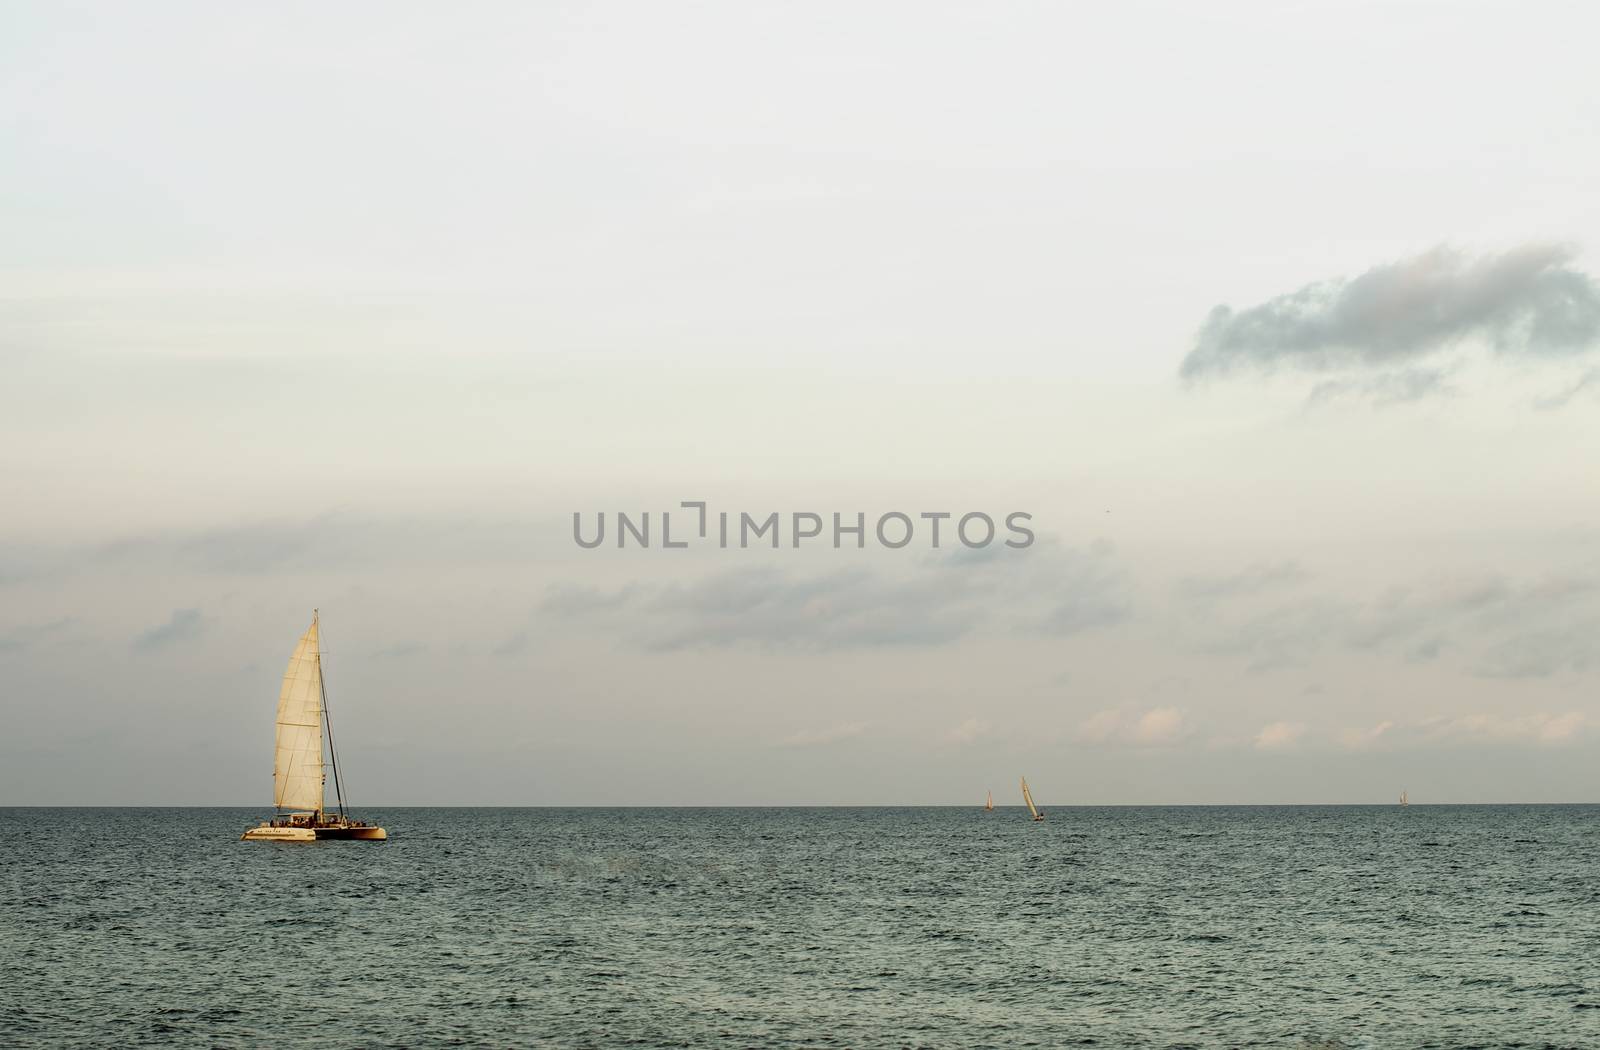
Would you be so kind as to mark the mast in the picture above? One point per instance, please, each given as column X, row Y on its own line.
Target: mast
column 327, row 719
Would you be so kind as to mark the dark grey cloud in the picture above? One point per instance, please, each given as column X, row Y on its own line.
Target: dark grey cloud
column 182, row 626
column 1526, row 302
column 1047, row 590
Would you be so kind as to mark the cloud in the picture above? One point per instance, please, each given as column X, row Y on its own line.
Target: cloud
column 567, row 599
column 1525, row 302
column 843, row 609
column 1157, row 727
column 1540, row 654
column 320, row 542
column 1279, row 736
column 1249, row 580
column 1388, row 388
column 1426, row 650
column 25, row 635
column 20, row 564
column 1589, row 381
column 1537, row 728
column 969, row 731
column 325, row 542
column 1284, row 636
column 1048, row 590
column 1511, row 629
column 1164, row 725
column 1100, row 727
column 831, row 735
column 1087, row 591
column 1563, row 727
column 183, row 625
column 513, row 644
column 1361, row 739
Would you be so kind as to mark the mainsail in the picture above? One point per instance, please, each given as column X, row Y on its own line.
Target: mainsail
column 989, row 802
column 297, row 768
column 1027, row 796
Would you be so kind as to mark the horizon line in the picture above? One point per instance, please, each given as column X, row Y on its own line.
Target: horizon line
column 797, row 805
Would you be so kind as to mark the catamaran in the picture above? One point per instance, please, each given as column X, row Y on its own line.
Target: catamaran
column 298, row 780
column 1027, row 796
column 988, row 805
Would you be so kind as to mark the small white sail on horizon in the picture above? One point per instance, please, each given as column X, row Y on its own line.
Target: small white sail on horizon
column 1027, row 796
column 988, row 804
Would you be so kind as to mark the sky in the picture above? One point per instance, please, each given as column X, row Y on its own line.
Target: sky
column 1282, row 321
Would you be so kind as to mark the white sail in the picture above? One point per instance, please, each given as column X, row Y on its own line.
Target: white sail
column 1027, row 796
column 297, row 768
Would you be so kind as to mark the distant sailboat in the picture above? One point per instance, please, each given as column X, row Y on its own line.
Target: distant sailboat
column 1027, row 796
column 1404, row 800
column 297, row 775
column 988, row 805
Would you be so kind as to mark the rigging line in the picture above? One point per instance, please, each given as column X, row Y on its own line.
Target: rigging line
column 288, row 771
column 327, row 718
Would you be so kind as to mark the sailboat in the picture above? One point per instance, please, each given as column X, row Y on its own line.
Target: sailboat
column 1027, row 796
column 298, row 780
column 988, row 805
column 1404, row 800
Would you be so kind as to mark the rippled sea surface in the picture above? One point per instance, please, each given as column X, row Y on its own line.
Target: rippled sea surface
column 1432, row 926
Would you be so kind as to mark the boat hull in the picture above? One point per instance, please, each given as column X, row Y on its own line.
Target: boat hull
column 267, row 833
column 364, row 834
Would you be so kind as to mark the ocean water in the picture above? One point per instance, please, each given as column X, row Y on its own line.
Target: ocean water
column 1432, row 926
